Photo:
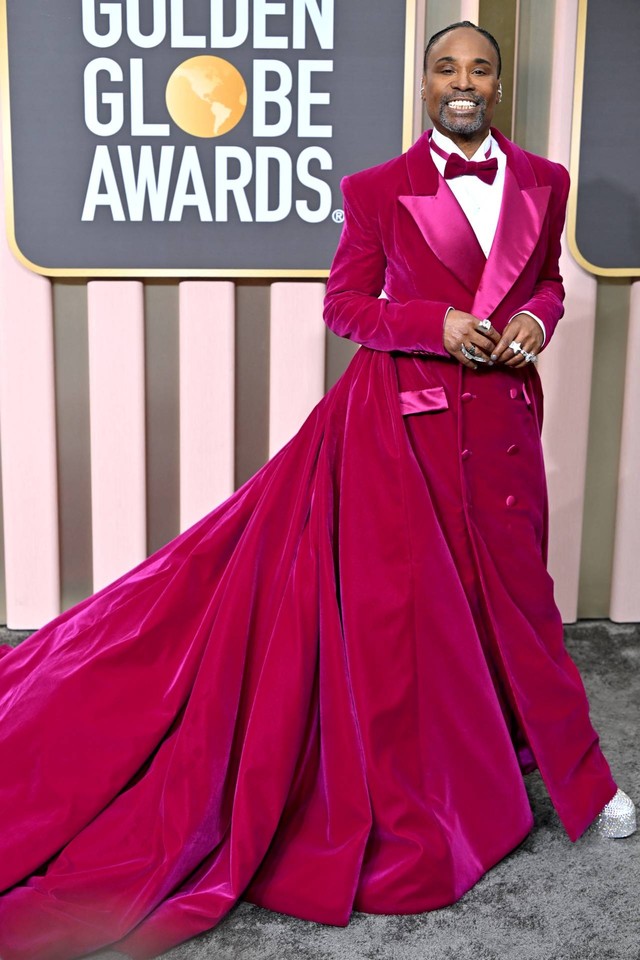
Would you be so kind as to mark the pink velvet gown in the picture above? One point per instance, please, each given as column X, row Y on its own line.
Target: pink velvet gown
column 320, row 698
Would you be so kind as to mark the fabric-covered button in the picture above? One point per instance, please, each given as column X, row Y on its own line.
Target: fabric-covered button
column 466, row 397
column 514, row 448
column 513, row 393
column 465, row 454
column 511, row 501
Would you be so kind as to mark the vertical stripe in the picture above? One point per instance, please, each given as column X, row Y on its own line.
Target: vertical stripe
column 162, row 411
column 500, row 18
column 297, row 358
column 29, row 457
column 470, row 10
column 252, row 378
column 71, row 344
column 116, row 387
column 625, row 586
column 603, row 452
column 566, row 367
column 207, row 360
column 420, row 43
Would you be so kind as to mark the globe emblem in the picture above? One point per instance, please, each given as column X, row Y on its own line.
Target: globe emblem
column 206, row 96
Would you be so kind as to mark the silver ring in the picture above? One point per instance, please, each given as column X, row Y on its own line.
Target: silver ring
column 516, row 346
column 530, row 357
column 484, row 325
column 472, row 356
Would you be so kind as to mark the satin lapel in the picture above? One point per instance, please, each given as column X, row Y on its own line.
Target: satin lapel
column 440, row 219
column 522, row 213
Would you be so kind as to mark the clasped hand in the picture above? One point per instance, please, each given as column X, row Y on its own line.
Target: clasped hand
column 461, row 329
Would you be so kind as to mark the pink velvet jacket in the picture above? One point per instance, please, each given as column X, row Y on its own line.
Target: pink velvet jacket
column 404, row 231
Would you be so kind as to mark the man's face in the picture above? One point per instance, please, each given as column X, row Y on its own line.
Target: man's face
column 461, row 83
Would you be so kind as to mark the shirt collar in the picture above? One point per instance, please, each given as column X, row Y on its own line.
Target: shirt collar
column 446, row 144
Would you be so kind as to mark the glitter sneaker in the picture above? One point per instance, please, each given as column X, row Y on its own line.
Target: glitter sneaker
column 617, row 818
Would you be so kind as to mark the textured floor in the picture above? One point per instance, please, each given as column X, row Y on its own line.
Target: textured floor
column 548, row 900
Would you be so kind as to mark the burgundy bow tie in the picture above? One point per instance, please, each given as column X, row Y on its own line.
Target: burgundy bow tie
column 457, row 166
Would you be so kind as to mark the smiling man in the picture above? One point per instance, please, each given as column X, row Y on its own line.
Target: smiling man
column 447, row 274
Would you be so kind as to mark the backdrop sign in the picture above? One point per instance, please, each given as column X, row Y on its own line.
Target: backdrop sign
column 604, row 206
column 195, row 137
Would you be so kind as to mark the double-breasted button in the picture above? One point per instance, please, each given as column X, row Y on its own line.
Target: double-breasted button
column 511, row 501
column 513, row 393
column 466, row 397
column 465, row 454
column 514, row 448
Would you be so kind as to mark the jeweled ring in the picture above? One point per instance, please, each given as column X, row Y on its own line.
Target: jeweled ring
column 530, row 357
column 472, row 356
column 484, row 325
column 516, row 346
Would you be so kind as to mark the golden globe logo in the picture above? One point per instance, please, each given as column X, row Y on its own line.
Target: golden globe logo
column 206, row 97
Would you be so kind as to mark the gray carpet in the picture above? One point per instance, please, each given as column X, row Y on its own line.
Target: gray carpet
column 549, row 899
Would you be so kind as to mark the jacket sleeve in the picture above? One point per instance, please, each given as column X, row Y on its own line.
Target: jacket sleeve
column 546, row 301
column 352, row 307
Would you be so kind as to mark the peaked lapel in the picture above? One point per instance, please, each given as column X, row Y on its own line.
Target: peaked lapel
column 440, row 218
column 448, row 233
column 522, row 212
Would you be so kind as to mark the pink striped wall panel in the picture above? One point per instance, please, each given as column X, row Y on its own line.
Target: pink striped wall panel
column 566, row 367
column 207, row 361
column 117, row 416
column 625, row 581
column 297, row 358
column 470, row 10
column 27, row 432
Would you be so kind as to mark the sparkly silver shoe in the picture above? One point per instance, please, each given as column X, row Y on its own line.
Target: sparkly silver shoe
column 617, row 818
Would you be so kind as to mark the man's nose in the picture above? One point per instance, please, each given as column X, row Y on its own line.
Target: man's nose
column 464, row 81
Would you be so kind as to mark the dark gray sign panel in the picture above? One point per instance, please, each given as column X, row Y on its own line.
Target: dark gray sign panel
column 196, row 137
column 604, row 208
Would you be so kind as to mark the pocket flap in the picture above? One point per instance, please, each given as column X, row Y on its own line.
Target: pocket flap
column 423, row 401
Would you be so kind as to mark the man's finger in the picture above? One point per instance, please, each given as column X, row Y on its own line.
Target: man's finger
column 459, row 355
column 491, row 333
column 481, row 341
column 501, row 347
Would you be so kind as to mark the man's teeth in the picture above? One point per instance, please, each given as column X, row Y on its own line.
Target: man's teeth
column 462, row 104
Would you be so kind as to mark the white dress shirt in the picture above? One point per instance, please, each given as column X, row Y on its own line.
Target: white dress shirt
column 480, row 201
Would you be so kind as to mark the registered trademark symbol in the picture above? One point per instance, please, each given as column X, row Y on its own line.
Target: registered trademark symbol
column 337, row 216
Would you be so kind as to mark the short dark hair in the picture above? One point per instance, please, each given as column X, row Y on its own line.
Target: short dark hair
column 456, row 26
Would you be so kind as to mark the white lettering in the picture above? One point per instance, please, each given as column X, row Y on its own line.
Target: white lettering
column 225, row 184
column 261, row 10
column 178, row 38
column 218, row 37
column 323, row 189
column 264, row 158
column 306, row 98
column 138, row 126
column 321, row 16
column 146, row 184
column 280, row 97
column 113, row 13
column 114, row 101
column 190, row 173
column 102, row 169
column 159, row 32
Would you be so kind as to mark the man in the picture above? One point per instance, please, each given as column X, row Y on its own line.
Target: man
column 452, row 271
column 335, row 679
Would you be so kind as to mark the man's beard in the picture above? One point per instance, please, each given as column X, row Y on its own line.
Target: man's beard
column 463, row 126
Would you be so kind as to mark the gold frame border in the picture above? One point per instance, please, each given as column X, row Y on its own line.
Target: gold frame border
column 407, row 140
column 574, row 166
